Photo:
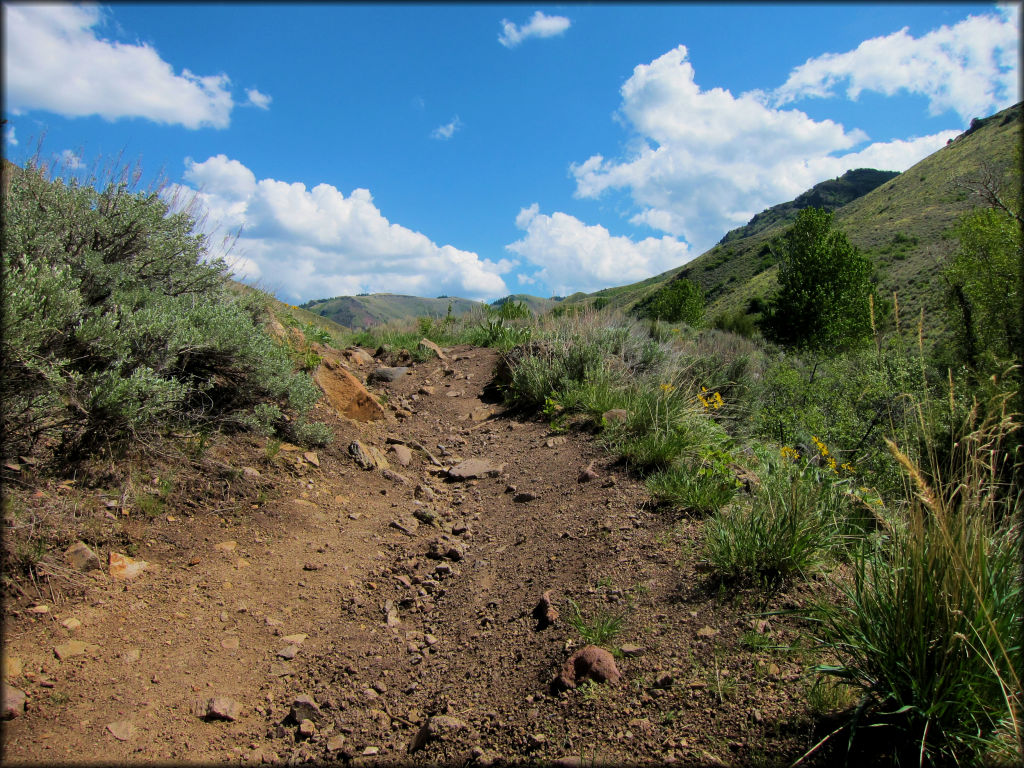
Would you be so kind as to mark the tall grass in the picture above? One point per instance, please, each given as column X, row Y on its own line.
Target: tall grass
column 797, row 520
column 929, row 631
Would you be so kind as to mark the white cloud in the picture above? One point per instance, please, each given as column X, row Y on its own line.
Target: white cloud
column 705, row 161
column 54, row 60
column 70, row 160
column 574, row 256
column 539, row 25
column 10, row 138
column 446, row 131
column 257, row 99
column 970, row 68
column 312, row 243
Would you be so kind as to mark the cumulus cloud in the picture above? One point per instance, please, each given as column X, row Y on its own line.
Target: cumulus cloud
column 9, row 136
column 446, row 131
column 312, row 243
column 574, row 256
column 257, row 99
column 70, row 160
column 539, row 25
column 970, row 68
column 705, row 161
column 54, row 60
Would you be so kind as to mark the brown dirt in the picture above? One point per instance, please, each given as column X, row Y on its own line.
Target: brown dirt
column 316, row 554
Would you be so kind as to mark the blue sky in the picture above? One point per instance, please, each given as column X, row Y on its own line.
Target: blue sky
column 480, row 150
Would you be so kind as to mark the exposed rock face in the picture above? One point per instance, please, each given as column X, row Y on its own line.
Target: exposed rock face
column 346, row 394
column 589, row 663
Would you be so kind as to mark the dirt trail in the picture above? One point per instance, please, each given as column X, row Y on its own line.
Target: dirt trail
column 394, row 635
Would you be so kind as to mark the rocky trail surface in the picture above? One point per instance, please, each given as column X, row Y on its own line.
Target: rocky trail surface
column 406, row 596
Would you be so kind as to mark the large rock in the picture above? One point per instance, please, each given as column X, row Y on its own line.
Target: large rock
column 589, row 663
column 346, row 394
column 475, row 468
column 387, row 375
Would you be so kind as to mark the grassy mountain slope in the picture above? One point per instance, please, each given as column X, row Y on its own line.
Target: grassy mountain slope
column 359, row 312
column 362, row 312
column 903, row 225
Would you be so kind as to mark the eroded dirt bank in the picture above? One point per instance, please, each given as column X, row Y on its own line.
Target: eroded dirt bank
column 401, row 604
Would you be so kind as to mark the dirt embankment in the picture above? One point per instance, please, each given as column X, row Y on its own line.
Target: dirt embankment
column 388, row 615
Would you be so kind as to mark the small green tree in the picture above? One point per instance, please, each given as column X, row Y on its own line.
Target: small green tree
column 985, row 280
column 825, row 287
column 679, row 301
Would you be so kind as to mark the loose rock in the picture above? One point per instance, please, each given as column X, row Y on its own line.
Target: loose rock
column 406, row 524
column 74, row 648
column 124, row 568
column 402, row 454
column 366, row 456
column 447, row 549
column 428, row 344
column 615, row 415
column 472, row 469
column 438, row 727
column 545, row 612
column 13, row 702
column 387, row 375
column 394, row 477
column 82, row 558
column 589, row 663
column 122, row 730
column 218, row 708
column 304, row 707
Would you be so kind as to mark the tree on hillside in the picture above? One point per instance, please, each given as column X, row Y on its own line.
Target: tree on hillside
column 680, row 301
column 985, row 281
column 824, row 294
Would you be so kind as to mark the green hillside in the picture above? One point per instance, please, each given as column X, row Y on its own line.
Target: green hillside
column 361, row 312
column 537, row 304
column 903, row 225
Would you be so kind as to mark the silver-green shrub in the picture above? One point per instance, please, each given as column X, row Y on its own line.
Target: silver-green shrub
column 118, row 325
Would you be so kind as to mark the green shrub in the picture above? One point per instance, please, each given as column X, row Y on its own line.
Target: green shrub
column 703, row 486
column 796, row 519
column 118, row 325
